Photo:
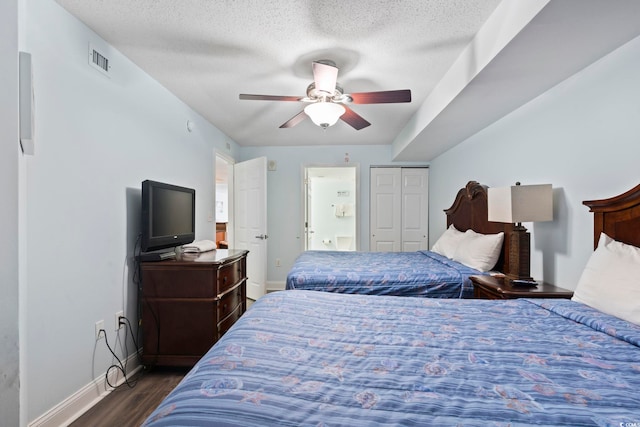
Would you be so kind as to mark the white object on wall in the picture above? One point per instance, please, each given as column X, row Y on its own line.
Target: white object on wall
column 222, row 202
column 99, row 61
column 343, row 243
column 26, row 104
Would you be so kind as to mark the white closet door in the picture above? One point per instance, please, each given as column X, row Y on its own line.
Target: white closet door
column 385, row 209
column 415, row 209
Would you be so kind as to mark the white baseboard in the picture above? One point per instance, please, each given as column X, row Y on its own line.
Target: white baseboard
column 70, row 409
column 276, row 286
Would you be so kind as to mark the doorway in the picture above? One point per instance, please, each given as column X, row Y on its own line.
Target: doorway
column 331, row 207
column 223, row 200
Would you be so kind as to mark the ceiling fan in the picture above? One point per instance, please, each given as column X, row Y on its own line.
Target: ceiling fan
column 328, row 102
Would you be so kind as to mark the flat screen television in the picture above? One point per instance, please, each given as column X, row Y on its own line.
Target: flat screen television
column 168, row 216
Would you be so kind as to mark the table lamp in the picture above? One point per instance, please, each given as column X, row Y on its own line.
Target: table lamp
column 515, row 205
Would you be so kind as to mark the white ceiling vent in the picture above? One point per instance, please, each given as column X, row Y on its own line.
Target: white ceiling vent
column 98, row 61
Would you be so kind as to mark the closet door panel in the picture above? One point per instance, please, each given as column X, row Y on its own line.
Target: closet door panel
column 415, row 209
column 385, row 209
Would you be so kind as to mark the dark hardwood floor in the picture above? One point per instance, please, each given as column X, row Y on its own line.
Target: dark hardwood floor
column 129, row 407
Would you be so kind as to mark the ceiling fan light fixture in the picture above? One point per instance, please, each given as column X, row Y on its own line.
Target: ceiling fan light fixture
column 324, row 114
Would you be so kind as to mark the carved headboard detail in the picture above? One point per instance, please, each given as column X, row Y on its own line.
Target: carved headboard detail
column 470, row 211
column 618, row 217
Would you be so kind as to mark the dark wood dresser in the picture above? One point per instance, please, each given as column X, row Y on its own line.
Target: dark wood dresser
column 189, row 302
column 489, row 287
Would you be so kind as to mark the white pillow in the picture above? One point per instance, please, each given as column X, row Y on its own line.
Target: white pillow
column 447, row 244
column 479, row 251
column 610, row 281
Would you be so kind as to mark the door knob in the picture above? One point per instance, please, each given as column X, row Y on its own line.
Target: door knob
column 262, row 237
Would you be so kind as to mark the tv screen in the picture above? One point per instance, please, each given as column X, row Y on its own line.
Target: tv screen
column 168, row 215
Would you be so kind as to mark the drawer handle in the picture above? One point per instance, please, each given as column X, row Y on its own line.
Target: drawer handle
column 224, row 279
column 224, row 307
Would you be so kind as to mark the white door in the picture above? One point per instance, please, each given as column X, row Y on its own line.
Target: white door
column 250, row 221
column 386, row 209
column 415, row 209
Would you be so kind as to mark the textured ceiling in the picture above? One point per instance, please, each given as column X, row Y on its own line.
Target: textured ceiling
column 207, row 52
column 467, row 62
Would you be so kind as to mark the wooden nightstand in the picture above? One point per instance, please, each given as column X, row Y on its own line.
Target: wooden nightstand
column 489, row 287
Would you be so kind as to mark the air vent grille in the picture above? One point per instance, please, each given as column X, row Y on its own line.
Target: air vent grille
column 98, row 61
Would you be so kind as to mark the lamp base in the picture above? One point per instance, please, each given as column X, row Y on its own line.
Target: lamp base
column 519, row 254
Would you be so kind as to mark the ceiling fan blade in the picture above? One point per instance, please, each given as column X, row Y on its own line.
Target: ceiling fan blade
column 294, row 120
column 353, row 119
column 325, row 77
column 270, row 97
column 383, row 97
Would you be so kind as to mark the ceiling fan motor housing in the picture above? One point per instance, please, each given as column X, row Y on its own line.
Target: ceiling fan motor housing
column 316, row 94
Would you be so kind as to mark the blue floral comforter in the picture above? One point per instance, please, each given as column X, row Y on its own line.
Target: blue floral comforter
column 302, row 358
column 420, row 273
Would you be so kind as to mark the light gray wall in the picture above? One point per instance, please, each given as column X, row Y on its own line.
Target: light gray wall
column 9, row 248
column 284, row 195
column 97, row 139
column 582, row 136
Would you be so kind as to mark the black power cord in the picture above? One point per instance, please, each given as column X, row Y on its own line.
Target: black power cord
column 122, row 321
column 137, row 280
column 120, row 366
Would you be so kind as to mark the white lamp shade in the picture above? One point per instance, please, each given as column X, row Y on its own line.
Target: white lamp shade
column 520, row 203
column 324, row 114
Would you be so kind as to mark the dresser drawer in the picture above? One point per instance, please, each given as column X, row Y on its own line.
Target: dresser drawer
column 229, row 302
column 178, row 282
column 229, row 321
column 229, row 275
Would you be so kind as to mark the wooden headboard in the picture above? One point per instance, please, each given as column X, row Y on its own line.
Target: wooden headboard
column 618, row 217
column 470, row 211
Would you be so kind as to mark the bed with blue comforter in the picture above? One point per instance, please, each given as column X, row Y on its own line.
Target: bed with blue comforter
column 420, row 273
column 303, row 358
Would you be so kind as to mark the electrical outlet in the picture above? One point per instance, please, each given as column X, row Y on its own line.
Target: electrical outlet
column 99, row 328
column 119, row 314
column 277, row 262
